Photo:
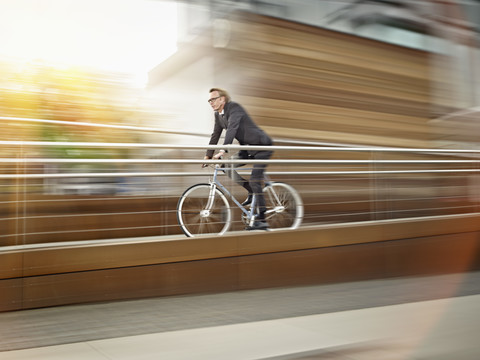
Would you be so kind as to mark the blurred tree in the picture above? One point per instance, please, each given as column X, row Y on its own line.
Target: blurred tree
column 39, row 91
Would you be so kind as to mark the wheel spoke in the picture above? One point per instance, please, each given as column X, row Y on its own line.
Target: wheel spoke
column 194, row 217
column 284, row 206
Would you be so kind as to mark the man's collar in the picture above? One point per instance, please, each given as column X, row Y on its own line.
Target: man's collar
column 225, row 107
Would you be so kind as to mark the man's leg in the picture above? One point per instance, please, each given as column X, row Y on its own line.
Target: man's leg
column 235, row 176
column 256, row 182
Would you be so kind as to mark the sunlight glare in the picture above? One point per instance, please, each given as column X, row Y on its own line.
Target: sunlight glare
column 128, row 36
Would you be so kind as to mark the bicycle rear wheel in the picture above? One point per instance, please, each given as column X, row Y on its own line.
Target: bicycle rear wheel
column 284, row 206
column 196, row 219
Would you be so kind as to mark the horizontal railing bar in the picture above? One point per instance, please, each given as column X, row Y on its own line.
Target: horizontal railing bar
column 235, row 147
column 57, row 216
column 109, row 126
column 53, row 200
column 60, row 244
column 189, row 133
column 158, row 130
column 169, row 174
column 229, row 161
column 90, row 230
column 372, row 172
column 102, row 144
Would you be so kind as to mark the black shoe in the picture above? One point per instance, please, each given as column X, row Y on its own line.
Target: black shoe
column 258, row 225
column 248, row 200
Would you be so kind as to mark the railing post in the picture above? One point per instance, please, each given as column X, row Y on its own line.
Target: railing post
column 373, row 186
column 19, row 202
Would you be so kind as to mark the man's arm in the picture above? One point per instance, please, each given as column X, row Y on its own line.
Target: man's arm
column 234, row 119
column 217, row 131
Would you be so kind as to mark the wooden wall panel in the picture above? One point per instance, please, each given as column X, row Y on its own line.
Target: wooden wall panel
column 11, row 294
column 296, row 80
column 347, row 252
column 54, row 218
column 210, row 275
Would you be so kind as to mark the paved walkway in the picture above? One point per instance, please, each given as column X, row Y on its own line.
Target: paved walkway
column 435, row 317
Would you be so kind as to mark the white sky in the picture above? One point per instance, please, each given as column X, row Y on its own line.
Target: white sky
column 129, row 36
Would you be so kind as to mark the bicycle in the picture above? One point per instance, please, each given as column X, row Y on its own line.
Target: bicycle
column 204, row 208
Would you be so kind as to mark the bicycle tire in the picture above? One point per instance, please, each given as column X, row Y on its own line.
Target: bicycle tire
column 192, row 217
column 284, row 206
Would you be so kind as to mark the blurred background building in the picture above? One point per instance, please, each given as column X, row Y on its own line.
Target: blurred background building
column 389, row 58
column 411, row 63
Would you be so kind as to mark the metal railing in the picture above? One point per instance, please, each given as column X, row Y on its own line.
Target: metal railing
column 45, row 198
column 55, row 199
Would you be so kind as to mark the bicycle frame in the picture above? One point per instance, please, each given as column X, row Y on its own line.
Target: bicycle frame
column 216, row 183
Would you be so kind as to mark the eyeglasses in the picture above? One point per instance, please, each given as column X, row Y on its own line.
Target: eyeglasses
column 213, row 99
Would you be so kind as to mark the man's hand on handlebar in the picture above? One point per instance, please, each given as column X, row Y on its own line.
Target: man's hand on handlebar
column 217, row 156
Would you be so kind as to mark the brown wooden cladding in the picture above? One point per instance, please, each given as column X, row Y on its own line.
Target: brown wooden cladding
column 58, row 275
column 308, row 83
column 56, row 218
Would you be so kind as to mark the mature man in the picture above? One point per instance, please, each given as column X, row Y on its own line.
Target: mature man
column 233, row 118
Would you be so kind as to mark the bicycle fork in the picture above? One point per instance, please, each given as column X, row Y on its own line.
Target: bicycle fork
column 211, row 198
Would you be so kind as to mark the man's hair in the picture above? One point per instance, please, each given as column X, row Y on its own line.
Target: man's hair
column 222, row 92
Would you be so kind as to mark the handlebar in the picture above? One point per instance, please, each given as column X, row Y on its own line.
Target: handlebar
column 213, row 165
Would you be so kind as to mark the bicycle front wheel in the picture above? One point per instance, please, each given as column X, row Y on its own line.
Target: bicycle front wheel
column 284, row 206
column 199, row 216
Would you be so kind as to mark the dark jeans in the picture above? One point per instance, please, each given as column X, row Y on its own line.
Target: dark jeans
column 255, row 185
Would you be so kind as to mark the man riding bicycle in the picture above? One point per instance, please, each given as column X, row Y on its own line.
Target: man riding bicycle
column 233, row 118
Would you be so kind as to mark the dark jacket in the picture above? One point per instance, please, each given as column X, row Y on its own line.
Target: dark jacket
column 238, row 125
